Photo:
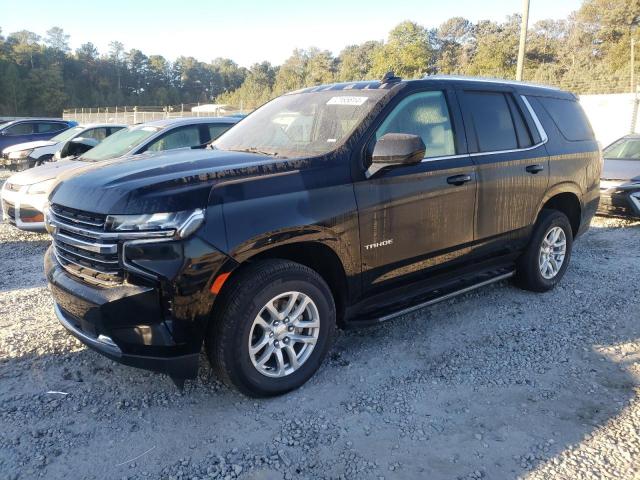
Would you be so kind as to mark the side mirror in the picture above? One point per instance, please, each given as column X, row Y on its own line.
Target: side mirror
column 394, row 149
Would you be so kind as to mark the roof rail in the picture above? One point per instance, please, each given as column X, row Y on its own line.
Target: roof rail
column 488, row 80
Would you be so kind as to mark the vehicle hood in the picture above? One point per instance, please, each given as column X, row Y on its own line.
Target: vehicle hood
column 45, row 172
column 160, row 182
column 615, row 169
column 28, row 146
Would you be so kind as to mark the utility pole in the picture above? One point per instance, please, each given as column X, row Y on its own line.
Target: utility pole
column 633, row 65
column 523, row 39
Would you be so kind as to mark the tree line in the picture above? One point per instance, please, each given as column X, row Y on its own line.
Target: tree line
column 588, row 52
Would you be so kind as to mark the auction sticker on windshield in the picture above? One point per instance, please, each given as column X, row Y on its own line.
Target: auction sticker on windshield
column 356, row 101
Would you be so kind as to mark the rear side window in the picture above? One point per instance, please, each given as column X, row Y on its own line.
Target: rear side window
column 568, row 117
column 492, row 120
column 48, row 127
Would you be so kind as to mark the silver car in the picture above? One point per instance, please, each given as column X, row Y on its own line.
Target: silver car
column 24, row 195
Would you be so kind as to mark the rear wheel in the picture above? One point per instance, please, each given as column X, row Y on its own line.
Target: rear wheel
column 546, row 259
column 271, row 328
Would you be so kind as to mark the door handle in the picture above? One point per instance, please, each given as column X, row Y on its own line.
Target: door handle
column 459, row 179
column 535, row 168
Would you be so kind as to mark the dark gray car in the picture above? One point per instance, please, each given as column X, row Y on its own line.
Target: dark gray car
column 620, row 181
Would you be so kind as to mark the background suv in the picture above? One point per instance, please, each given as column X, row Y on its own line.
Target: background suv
column 31, row 129
column 338, row 205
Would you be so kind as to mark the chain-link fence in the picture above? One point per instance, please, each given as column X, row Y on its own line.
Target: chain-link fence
column 130, row 115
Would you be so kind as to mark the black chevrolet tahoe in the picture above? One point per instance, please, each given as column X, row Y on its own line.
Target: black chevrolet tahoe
column 334, row 206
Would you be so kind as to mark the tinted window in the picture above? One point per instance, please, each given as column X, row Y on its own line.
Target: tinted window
column 48, row 127
column 624, row 149
column 24, row 128
column 424, row 114
column 178, row 138
column 492, row 120
column 569, row 118
column 97, row 133
column 217, row 129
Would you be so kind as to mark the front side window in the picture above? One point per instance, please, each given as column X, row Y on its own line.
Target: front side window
column 492, row 120
column 424, row 114
column 217, row 129
column 624, row 149
column 120, row 143
column 302, row 124
column 96, row 133
column 179, row 138
column 24, row 128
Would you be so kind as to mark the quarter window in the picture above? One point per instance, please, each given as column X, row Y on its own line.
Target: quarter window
column 424, row 114
column 568, row 117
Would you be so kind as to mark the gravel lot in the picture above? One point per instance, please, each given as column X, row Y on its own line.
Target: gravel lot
column 499, row 383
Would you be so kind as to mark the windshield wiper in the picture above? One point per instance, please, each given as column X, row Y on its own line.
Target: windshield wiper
column 256, row 150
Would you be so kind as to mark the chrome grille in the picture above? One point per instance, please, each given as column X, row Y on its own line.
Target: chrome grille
column 82, row 246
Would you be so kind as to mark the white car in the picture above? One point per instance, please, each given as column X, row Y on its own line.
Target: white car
column 32, row 154
column 24, row 195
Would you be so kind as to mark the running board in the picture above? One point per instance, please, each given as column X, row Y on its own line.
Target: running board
column 432, row 301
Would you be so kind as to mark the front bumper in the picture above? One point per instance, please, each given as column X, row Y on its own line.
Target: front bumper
column 125, row 323
column 17, row 164
column 620, row 200
column 23, row 210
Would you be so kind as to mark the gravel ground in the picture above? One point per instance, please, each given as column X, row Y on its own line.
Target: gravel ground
column 499, row 383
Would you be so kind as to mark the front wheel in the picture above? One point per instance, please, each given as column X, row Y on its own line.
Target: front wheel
column 271, row 328
column 547, row 256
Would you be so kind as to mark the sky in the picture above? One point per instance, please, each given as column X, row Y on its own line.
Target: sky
column 249, row 31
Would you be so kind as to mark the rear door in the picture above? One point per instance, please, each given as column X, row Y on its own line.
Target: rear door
column 512, row 163
column 414, row 218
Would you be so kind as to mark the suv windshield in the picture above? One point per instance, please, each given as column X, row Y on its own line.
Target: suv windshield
column 301, row 124
column 67, row 134
column 119, row 143
column 624, row 149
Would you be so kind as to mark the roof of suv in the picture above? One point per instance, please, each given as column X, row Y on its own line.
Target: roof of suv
column 171, row 122
column 39, row 119
column 473, row 82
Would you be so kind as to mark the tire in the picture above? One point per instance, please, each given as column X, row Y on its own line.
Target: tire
column 529, row 268
column 235, row 323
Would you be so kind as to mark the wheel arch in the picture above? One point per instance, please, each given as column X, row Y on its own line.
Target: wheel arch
column 314, row 254
column 566, row 199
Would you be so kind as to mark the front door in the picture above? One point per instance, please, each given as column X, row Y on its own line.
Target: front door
column 414, row 218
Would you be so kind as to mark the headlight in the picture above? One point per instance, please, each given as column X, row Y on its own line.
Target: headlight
column 20, row 154
column 41, row 187
column 183, row 223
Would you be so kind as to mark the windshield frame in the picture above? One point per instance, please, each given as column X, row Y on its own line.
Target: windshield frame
column 378, row 96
